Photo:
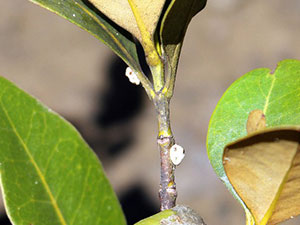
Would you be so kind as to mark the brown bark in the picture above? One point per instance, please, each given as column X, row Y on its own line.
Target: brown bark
column 167, row 191
column 165, row 140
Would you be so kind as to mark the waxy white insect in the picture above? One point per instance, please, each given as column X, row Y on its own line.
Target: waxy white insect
column 177, row 154
column 132, row 76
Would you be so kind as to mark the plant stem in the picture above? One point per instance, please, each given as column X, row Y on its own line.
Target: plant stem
column 158, row 77
column 165, row 140
column 146, row 85
column 170, row 77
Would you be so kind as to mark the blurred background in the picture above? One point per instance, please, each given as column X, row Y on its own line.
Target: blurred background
column 80, row 78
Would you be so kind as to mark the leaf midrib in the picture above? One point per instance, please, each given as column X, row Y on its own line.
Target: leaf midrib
column 139, row 21
column 39, row 172
column 271, row 208
column 269, row 94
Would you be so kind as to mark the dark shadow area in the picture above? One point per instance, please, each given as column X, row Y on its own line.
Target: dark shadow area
column 118, row 108
column 142, row 60
column 109, row 144
column 4, row 220
column 115, row 148
column 122, row 101
column 137, row 205
column 269, row 136
column 113, row 127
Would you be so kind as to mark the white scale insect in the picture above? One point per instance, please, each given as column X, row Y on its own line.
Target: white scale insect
column 177, row 154
column 132, row 76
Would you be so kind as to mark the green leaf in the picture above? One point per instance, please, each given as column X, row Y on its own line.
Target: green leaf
column 81, row 14
column 276, row 95
column 174, row 25
column 49, row 175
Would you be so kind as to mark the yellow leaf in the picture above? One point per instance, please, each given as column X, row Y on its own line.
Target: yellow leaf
column 264, row 169
column 122, row 14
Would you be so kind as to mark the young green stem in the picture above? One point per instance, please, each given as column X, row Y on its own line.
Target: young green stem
column 165, row 140
column 146, row 85
column 158, row 77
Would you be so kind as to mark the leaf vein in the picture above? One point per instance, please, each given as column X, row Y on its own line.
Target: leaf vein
column 82, row 195
column 269, row 94
column 39, row 172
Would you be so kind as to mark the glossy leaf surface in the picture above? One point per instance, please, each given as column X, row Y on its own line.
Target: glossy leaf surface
column 49, row 175
column 173, row 27
column 277, row 96
column 81, row 14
